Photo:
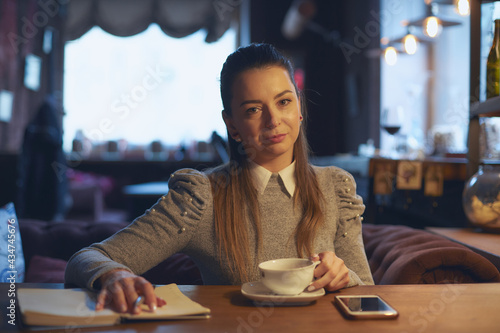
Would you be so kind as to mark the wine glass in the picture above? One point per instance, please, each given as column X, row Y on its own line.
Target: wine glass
column 391, row 121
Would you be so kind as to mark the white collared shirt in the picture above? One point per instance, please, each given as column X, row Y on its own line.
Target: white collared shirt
column 261, row 177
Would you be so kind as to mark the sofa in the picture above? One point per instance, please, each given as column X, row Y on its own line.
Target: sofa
column 396, row 254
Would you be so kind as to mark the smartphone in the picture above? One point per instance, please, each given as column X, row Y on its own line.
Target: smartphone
column 365, row 307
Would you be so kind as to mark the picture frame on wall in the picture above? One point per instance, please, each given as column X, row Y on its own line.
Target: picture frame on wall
column 6, row 103
column 32, row 72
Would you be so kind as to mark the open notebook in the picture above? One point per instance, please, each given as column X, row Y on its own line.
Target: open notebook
column 76, row 307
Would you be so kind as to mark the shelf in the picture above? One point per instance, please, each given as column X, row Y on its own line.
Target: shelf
column 488, row 108
column 490, row 162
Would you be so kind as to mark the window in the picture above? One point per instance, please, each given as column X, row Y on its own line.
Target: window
column 144, row 88
column 432, row 85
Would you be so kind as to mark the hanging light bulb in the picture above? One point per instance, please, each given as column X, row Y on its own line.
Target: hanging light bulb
column 391, row 56
column 463, row 7
column 432, row 26
column 410, row 43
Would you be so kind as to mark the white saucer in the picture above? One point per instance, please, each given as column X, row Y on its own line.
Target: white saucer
column 258, row 292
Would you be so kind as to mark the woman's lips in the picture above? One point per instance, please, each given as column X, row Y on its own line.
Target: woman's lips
column 276, row 138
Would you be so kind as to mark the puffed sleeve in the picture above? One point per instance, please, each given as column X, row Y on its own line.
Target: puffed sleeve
column 161, row 231
column 348, row 239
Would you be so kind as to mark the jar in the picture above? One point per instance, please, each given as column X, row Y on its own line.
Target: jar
column 481, row 198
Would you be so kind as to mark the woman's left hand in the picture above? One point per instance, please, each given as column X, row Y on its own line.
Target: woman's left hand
column 331, row 273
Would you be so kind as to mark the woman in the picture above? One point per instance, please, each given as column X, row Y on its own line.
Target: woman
column 268, row 202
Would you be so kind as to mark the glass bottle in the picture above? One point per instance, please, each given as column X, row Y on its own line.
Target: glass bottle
column 481, row 198
column 493, row 65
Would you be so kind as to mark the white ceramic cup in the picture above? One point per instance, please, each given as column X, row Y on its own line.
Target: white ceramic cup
column 288, row 276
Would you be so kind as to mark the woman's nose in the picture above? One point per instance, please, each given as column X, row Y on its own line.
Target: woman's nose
column 273, row 118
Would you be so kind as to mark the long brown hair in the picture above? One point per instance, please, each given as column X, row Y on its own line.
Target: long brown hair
column 236, row 206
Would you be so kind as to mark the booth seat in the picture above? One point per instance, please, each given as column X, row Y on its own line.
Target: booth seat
column 396, row 254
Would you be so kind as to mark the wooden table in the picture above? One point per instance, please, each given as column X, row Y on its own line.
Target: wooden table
column 486, row 244
column 423, row 308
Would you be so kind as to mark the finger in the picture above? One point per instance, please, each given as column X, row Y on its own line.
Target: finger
column 147, row 290
column 327, row 271
column 118, row 297
column 321, row 270
column 321, row 281
column 314, row 257
column 102, row 298
column 160, row 302
column 340, row 281
column 131, row 295
column 327, row 256
column 327, row 259
column 341, row 276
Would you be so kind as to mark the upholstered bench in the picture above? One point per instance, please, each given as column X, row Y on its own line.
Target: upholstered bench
column 48, row 246
column 396, row 254
column 403, row 255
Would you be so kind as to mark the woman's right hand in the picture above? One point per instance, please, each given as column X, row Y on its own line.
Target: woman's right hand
column 120, row 289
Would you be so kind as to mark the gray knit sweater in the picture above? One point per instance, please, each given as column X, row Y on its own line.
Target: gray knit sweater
column 183, row 221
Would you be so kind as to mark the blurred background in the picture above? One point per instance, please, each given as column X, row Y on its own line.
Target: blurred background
column 101, row 100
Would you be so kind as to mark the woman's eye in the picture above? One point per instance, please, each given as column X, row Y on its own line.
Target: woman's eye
column 285, row 101
column 252, row 110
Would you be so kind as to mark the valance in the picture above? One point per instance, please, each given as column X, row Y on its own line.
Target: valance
column 177, row 18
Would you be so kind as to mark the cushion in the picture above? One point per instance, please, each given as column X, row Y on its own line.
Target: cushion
column 61, row 240
column 45, row 270
column 11, row 246
column 404, row 255
column 178, row 268
column 49, row 245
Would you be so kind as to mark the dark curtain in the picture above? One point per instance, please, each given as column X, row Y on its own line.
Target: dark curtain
column 43, row 183
column 177, row 18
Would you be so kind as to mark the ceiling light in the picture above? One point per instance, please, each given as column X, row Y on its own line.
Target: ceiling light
column 391, row 55
column 410, row 44
column 463, row 7
column 432, row 26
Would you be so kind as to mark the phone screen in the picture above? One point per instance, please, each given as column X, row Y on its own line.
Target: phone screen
column 366, row 306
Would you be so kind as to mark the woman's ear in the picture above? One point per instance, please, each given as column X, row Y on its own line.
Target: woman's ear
column 228, row 120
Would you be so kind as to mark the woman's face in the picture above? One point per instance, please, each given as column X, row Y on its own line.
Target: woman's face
column 265, row 116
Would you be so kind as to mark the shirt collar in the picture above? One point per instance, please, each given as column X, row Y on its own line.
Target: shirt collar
column 261, row 177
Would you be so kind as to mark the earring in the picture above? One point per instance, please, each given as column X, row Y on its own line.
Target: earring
column 237, row 139
column 301, row 118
